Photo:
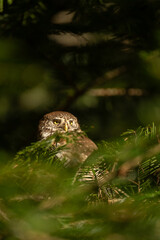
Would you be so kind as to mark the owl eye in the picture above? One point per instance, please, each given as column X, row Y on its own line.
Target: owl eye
column 56, row 121
column 71, row 122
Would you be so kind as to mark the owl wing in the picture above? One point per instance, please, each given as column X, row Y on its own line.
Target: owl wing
column 84, row 146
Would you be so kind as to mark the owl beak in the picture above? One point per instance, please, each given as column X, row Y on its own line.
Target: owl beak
column 66, row 127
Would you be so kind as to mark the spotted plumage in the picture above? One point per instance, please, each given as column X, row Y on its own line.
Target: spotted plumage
column 76, row 146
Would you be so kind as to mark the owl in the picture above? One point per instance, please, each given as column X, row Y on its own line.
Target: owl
column 74, row 146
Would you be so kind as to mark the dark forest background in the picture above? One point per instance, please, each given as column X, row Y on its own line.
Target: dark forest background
column 97, row 59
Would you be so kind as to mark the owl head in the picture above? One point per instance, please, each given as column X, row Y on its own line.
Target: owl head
column 57, row 121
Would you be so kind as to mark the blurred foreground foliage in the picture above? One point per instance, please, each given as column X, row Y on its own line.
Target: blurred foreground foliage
column 42, row 199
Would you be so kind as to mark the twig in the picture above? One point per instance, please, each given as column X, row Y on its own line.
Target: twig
column 123, row 170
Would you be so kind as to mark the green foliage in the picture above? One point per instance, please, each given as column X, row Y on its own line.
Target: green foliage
column 78, row 65
column 43, row 199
